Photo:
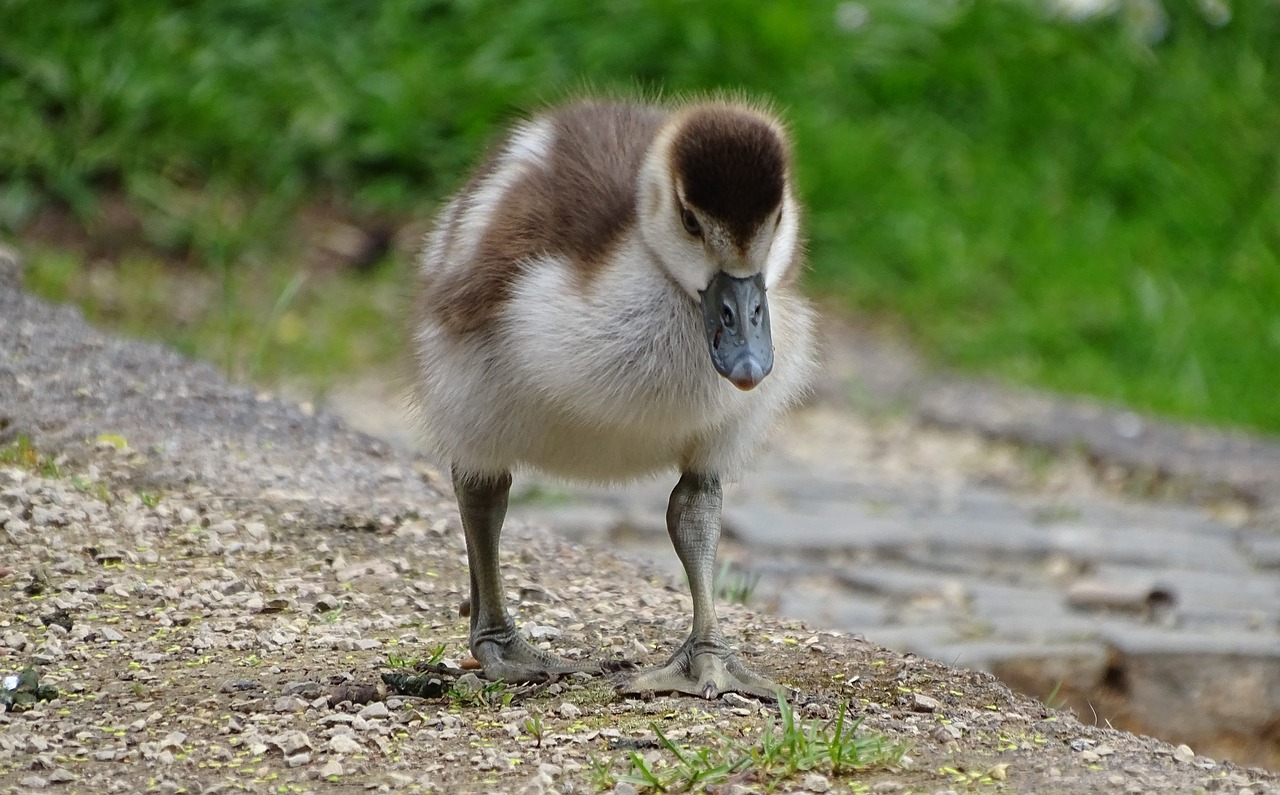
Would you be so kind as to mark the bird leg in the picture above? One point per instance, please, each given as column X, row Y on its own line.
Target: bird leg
column 503, row 653
column 704, row 665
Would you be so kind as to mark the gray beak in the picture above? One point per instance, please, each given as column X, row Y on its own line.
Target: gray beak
column 736, row 316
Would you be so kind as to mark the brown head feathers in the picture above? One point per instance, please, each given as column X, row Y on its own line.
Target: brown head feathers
column 732, row 165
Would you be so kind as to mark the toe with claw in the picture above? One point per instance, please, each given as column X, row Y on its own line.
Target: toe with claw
column 708, row 670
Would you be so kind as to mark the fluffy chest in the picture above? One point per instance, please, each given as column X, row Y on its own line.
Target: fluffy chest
column 625, row 351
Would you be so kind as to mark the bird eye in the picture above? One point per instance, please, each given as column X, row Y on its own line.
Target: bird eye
column 690, row 222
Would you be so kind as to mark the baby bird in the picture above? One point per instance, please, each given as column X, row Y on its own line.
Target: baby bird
column 612, row 294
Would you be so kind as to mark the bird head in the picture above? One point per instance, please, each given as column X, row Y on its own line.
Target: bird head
column 716, row 210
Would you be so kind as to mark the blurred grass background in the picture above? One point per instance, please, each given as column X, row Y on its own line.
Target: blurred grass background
column 1083, row 196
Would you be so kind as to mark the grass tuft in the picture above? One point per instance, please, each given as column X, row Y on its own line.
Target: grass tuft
column 783, row 749
column 22, row 453
column 735, row 585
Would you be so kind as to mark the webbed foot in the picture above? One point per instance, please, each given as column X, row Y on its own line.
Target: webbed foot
column 708, row 670
column 507, row 657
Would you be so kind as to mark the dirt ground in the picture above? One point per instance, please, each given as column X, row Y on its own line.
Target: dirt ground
column 214, row 645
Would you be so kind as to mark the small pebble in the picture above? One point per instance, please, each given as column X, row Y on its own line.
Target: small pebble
column 304, row 689
column 291, row 742
column 738, row 700
column 538, row 785
column 255, row 530
column 173, row 740
column 326, row 603
column 289, row 704
column 342, row 744
column 336, row 718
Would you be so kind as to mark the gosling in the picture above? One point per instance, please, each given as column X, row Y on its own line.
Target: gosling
column 612, row 294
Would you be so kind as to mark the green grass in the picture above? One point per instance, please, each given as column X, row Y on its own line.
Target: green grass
column 1090, row 206
column 257, row 322
column 1074, row 210
column 21, row 453
column 433, row 657
column 735, row 585
column 784, row 749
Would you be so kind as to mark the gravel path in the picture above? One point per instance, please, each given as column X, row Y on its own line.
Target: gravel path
column 207, row 576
